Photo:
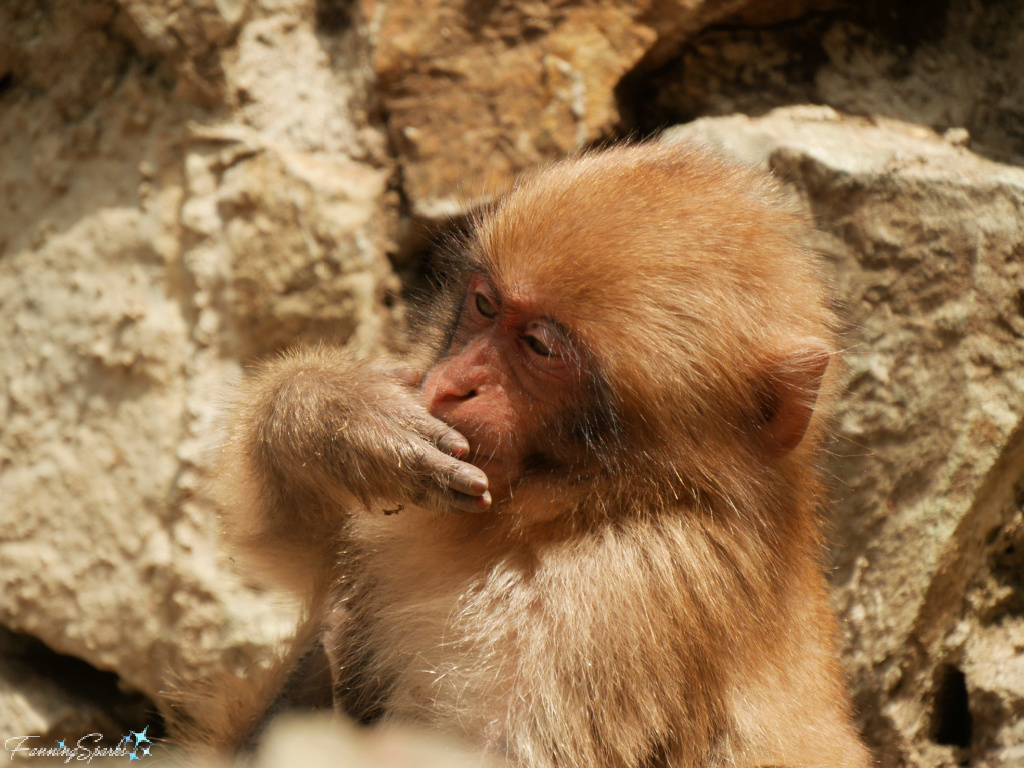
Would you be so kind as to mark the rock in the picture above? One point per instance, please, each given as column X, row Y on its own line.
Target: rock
column 322, row 741
column 925, row 240
column 70, row 56
column 954, row 65
column 188, row 37
column 286, row 246
column 56, row 697
column 676, row 22
column 149, row 247
column 316, row 740
column 475, row 92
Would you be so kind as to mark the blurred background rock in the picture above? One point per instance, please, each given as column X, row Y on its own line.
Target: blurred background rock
column 189, row 186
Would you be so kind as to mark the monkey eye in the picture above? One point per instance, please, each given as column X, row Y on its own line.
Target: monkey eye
column 485, row 306
column 543, row 340
column 539, row 346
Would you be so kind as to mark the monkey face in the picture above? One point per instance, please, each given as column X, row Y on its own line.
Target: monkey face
column 509, row 373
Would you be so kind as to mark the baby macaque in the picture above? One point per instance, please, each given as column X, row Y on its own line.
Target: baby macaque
column 579, row 526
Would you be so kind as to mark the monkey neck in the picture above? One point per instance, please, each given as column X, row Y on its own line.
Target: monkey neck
column 539, row 513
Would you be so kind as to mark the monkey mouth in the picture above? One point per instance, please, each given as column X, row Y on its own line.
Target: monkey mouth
column 484, row 460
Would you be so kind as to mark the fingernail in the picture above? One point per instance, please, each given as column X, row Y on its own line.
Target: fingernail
column 478, row 484
column 484, row 501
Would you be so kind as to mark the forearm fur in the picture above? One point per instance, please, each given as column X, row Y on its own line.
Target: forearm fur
column 305, row 430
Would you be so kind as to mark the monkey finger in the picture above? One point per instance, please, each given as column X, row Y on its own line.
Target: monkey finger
column 453, row 503
column 465, row 503
column 444, row 436
column 453, row 443
column 450, row 473
column 462, row 478
column 468, row 480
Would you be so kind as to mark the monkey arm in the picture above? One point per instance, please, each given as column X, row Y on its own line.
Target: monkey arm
column 309, row 678
column 314, row 436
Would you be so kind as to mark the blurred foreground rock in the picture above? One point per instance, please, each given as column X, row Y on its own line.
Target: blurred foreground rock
column 320, row 741
column 308, row 740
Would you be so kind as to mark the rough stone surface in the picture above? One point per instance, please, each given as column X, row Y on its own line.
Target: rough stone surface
column 925, row 238
column 477, row 91
column 149, row 245
column 42, row 693
column 321, row 742
column 947, row 65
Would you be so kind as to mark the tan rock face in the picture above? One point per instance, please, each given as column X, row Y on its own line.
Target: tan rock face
column 475, row 92
column 148, row 248
column 926, row 241
column 287, row 245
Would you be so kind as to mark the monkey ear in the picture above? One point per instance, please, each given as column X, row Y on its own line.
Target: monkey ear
column 787, row 392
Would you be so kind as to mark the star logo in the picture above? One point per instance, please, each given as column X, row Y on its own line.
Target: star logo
column 141, row 736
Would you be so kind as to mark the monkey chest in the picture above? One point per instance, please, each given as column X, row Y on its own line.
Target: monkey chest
column 436, row 670
column 432, row 634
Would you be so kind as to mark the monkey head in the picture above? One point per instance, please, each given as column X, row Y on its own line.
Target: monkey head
column 646, row 313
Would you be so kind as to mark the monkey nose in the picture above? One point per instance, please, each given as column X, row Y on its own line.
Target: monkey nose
column 447, row 397
column 441, row 389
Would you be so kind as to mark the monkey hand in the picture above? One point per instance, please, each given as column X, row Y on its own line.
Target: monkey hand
column 322, row 427
column 428, row 453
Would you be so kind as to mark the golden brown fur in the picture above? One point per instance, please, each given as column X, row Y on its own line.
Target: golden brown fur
column 648, row 596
